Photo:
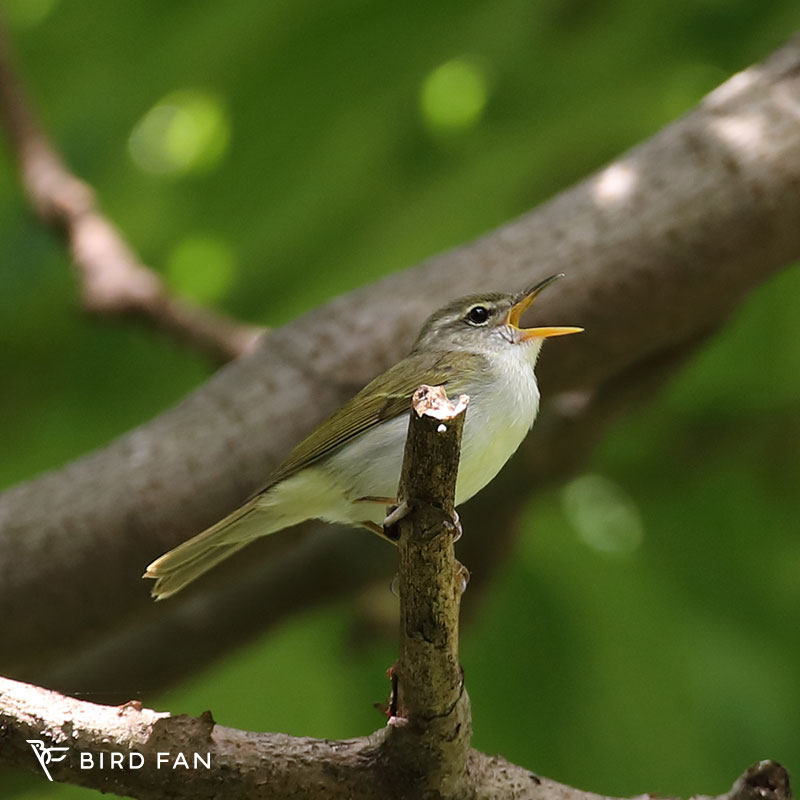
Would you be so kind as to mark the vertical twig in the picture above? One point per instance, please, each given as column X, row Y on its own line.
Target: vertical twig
column 430, row 730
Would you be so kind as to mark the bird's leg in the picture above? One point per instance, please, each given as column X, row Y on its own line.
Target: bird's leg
column 387, row 502
column 396, row 513
column 402, row 509
column 378, row 529
column 399, row 511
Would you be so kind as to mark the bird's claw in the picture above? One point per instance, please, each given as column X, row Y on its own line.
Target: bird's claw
column 396, row 514
column 462, row 577
column 455, row 524
column 402, row 509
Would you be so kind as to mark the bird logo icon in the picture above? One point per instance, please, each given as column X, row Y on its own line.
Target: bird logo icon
column 46, row 755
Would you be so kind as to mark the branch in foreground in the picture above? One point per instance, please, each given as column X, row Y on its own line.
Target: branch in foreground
column 659, row 247
column 430, row 723
column 252, row 766
column 113, row 279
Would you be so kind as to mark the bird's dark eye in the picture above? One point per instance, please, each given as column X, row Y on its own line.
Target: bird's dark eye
column 477, row 315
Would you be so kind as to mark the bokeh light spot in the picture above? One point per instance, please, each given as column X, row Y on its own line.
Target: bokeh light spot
column 186, row 131
column 453, row 96
column 201, row 268
column 603, row 514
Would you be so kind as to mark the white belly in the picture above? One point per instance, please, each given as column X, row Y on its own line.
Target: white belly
column 497, row 422
column 499, row 416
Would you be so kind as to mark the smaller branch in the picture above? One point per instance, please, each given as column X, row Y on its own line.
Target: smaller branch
column 250, row 766
column 430, row 726
column 113, row 279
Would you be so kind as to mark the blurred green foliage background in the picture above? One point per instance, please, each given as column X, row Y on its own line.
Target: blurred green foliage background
column 265, row 156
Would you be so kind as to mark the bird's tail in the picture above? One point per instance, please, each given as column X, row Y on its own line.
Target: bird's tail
column 189, row 560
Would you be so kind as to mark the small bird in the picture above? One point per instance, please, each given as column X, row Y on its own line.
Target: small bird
column 348, row 469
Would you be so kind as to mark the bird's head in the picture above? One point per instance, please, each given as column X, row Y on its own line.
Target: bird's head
column 488, row 323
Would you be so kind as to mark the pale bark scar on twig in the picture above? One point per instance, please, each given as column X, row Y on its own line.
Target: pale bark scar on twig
column 433, row 402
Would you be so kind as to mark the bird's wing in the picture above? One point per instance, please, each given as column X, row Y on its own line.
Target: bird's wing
column 386, row 397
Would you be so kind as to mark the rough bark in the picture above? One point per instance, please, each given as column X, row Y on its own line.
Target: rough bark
column 659, row 247
column 430, row 721
column 257, row 766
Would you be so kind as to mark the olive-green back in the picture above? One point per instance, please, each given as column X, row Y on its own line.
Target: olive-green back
column 385, row 398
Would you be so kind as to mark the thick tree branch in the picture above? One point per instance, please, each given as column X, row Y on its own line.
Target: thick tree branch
column 659, row 247
column 254, row 766
column 113, row 279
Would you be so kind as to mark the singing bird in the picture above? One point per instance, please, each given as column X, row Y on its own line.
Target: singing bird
column 348, row 469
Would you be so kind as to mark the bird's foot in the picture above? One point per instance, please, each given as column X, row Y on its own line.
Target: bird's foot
column 397, row 513
column 388, row 535
column 455, row 524
column 403, row 508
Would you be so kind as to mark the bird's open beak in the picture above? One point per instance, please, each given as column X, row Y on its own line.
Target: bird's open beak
column 516, row 311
